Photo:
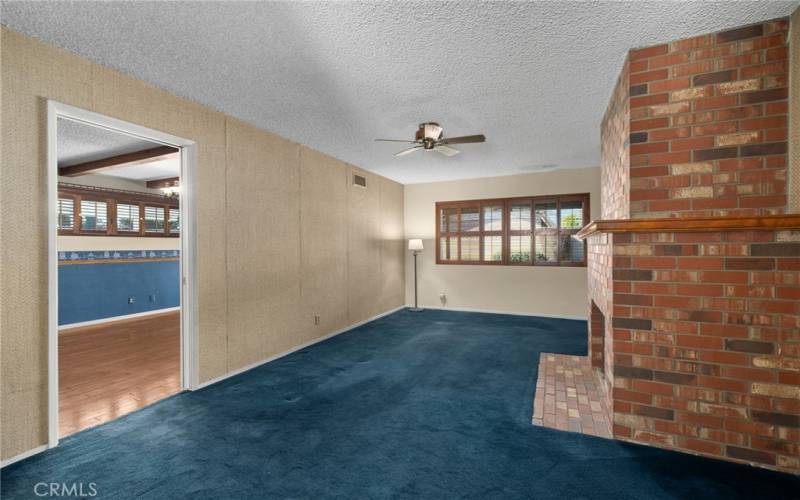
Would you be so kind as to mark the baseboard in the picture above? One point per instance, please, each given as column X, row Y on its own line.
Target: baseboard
column 42, row 448
column 23, row 455
column 118, row 318
column 511, row 313
column 296, row 348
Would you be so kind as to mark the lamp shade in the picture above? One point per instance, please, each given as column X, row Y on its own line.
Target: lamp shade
column 415, row 245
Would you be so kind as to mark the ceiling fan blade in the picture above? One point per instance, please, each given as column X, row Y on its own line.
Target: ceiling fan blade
column 395, row 140
column 464, row 139
column 446, row 150
column 409, row 150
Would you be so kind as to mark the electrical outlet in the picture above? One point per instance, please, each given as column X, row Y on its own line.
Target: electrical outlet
column 316, row 319
column 152, row 299
column 131, row 300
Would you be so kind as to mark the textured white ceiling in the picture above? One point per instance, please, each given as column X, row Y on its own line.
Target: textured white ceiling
column 533, row 77
column 79, row 143
column 148, row 171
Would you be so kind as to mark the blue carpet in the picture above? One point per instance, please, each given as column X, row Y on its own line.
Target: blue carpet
column 429, row 405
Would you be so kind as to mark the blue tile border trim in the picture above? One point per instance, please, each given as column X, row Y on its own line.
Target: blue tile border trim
column 69, row 256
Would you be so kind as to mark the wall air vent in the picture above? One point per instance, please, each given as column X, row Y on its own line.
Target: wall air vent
column 359, row 180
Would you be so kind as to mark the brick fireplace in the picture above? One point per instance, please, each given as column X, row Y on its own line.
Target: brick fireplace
column 694, row 271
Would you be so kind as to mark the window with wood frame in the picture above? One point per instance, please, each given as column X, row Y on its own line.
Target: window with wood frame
column 127, row 218
column 534, row 231
column 174, row 221
column 88, row 210
column 153, row 219
column 94, row 215
column 66, row 213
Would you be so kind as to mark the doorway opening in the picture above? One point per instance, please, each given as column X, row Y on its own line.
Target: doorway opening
column 121, row 281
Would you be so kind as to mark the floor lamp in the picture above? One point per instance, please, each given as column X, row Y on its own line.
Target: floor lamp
column 416, row 247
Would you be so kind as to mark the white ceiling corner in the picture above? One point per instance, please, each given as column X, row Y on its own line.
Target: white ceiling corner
column 79, row 143
column 534, row 77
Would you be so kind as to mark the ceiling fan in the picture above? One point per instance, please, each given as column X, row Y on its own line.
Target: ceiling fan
column 429, row 137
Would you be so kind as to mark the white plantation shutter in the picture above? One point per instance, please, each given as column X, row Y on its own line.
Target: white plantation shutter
column 174, row 220
column 154, row 219
column 571, row 214
column 66, row 213
column 94, row 215
column 127, row 218
column 535, row 230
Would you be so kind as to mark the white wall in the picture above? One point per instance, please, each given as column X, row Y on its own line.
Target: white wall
column 552, row 291
column 87, row 243
column 108, row 181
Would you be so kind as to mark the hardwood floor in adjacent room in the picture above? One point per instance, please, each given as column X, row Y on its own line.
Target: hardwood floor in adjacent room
column 108, row 370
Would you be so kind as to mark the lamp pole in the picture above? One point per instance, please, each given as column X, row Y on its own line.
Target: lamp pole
column 416, row 303
column 415, row 245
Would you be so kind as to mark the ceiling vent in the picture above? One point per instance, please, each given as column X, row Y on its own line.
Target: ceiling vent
column 359, row 180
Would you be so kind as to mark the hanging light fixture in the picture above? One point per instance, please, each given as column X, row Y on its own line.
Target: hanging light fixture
column 171, row 188
column 171, row 191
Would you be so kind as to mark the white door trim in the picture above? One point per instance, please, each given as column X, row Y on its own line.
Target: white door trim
column 188, row 149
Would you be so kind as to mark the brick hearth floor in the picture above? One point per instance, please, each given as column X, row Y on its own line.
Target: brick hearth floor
column 568, row 396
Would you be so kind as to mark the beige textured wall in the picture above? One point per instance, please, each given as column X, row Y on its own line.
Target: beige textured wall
column 794, row 114
column 281, row 235
column 556, row 291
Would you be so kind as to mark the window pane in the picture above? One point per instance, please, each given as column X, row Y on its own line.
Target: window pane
column 493, row 218
column 492, row 248
column 154, row 219
column 127, row 217
column 470, row 219
column 520, row 248
column 449, row 220
column 470, row 248
column 452, row 220
column 174, row 220
column 66, row 212
column 546, row 245
column 546, row 214
column 443, row 255
column 571, row 215
column 520, row 216
column 94, row 215
column 522, row 230
column 571, row 249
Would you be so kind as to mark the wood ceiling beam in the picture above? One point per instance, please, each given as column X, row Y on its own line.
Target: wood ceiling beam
column 114, row 161
column 162, row 183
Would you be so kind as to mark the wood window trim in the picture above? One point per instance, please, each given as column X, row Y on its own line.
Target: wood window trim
column 143, row 224
column 75, row 214
column 167, row 215
column 79, row 218
column 111, row 197
column 458, row 234
column 506, row 233
column 124, row 232
column 516, row 232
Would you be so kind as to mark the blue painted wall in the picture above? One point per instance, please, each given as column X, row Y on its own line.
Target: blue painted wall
column 94, row 291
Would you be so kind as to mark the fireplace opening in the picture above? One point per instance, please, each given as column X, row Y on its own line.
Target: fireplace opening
column 597, row 338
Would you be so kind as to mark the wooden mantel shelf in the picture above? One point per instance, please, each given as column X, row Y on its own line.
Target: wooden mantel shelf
column 693, row 224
